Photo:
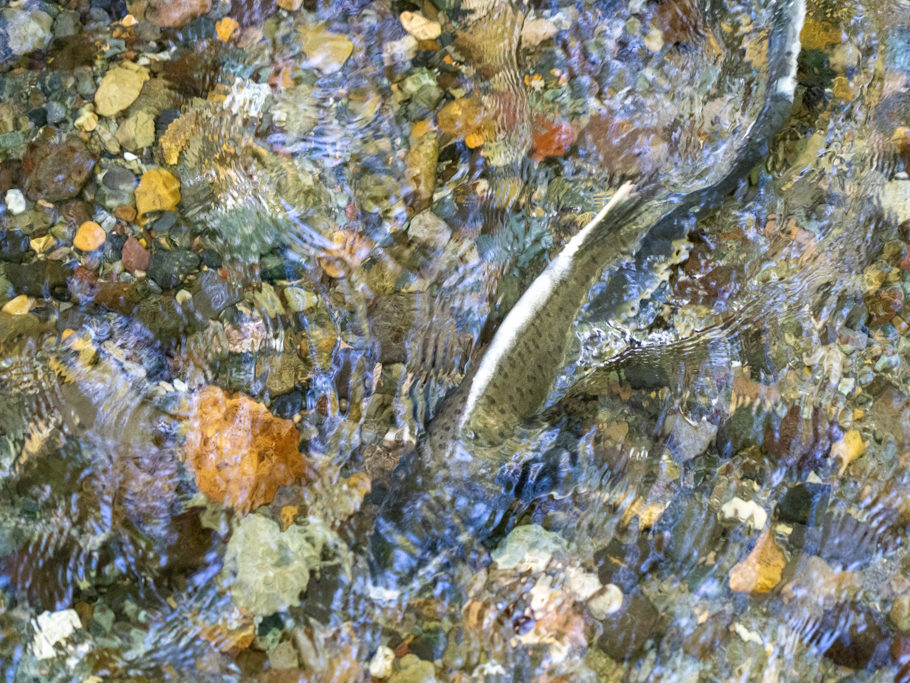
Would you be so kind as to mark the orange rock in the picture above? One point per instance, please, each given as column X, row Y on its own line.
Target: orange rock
column 761, row 570
column 89, row 236
column 552, row 138
column 125, row 212
column 225, row 28
column 239, row 451
column 158, row 190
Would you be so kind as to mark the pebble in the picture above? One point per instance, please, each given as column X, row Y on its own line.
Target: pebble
column 137, row 132
column 528, row 548
column 15, row 202
column 427, row 228
column 89, row 236
column 158, row 190
column 134, row 256
column 900, row 613
column 26, row 30
column 119, row 88
column 176, row 13
column 419, row 26
column 14, row 246
column 382, row 661
column 326, row 51
column 762, row 569
column 19, row 305
column 56, row 112
column 225, row 28
column 414, row 670
column 535, row 31
column 849, row 448
column 606, row 602
column 626, row 631
column 87, row 121
column 300, row 299
column 745, row 511
column 52, row 628
column 169, row 267
column 59, row 170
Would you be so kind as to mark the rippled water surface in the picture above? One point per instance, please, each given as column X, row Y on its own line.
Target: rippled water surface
column 318, row 363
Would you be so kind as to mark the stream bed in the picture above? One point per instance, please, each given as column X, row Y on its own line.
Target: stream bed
column 253, row 255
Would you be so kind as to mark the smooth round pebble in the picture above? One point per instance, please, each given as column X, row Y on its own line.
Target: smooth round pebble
column 89, row 236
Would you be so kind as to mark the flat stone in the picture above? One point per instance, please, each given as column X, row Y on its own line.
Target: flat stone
column 134, row 255
column 326, row 51
column 176, row 13
column 159, row 190
column 427, row 228
column 14, row 246
column 137, row 132
column 39, row 278
column 528, row 548
column 169, row 267
column 627, row 631
column 215, row 293
column 119, row 88
column 57, row 170
column 15, row 202
column 27, row 29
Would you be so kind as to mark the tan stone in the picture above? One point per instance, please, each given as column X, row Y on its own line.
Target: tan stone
column 119, row 88
column 849, row 448
column 326, row 51
column 761, row 571
column 419, row 26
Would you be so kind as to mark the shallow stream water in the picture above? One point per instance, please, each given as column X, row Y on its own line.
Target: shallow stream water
column 253, row 253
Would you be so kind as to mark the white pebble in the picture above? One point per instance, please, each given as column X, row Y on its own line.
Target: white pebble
column 381, row 664
column 751, row 512
column 606, row 603
column 15, row 202
column 52, row 628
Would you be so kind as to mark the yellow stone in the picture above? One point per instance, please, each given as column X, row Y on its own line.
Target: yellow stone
column 87, row 122
column 473, row 140
column 225, row 28
column 89, row 236
column 761, row 571
column 848, row 449
column 20, row 305
column 290, row 5
column 159, row 190
column 817, row 35
column 42, row 244
column 119, row 88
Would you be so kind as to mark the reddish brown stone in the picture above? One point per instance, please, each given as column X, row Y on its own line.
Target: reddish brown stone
column 176, row 13
column 552, row 138
column 76, row 212
column 134, row 255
